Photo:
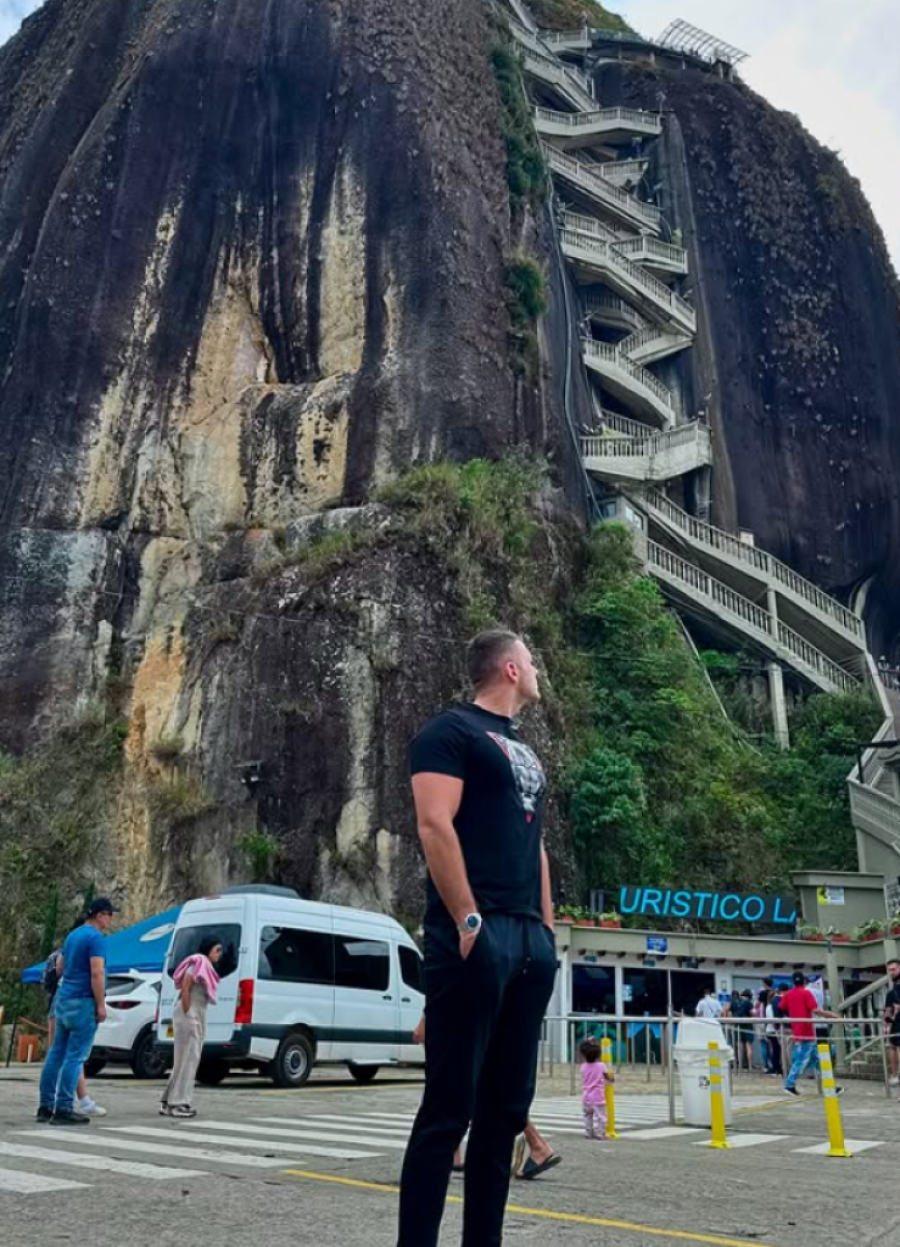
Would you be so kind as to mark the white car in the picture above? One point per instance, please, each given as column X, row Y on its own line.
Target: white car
column 129, row 1035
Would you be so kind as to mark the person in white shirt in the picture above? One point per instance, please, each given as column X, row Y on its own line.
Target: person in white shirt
column 709, row 1006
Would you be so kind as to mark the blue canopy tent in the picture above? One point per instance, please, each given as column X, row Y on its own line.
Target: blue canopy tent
column 141, row 947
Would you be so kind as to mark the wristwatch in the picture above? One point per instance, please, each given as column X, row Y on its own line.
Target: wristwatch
column 470, row 925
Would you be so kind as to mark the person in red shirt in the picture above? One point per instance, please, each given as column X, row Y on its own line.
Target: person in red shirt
column 801, row 1006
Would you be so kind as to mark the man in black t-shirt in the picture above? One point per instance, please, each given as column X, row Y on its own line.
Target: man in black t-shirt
column 892, row 1020
column 490, row 954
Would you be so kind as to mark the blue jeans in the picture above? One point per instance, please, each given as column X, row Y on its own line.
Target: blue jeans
column 804, row 1054
column 76, row 1026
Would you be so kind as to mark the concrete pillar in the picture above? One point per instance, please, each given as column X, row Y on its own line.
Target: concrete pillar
column 776, row 682
column 620, row 990
column 779, row 706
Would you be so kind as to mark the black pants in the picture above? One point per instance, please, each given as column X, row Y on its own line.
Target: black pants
column 482, row 1025
column 774, row 1054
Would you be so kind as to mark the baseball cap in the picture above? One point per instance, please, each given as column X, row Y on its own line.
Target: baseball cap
column 799, row 978
column 101, row 905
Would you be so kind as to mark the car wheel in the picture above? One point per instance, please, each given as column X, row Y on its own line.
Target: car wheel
column 293, row 1061
column 93, row 1065
column 363, row 1073
column 148, row 1060
column 210, row 1073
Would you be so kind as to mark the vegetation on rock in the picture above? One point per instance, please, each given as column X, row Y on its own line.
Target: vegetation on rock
column 526, row 170
column 571, row 14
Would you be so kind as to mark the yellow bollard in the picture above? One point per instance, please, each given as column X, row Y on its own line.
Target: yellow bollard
column 837, row 1145
column 716, row 1103
column 609, row 1090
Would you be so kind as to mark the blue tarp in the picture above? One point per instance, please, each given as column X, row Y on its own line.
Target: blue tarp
column 141, row 947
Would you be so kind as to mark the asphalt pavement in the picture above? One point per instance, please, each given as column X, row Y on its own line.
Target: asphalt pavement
column 263, row 1167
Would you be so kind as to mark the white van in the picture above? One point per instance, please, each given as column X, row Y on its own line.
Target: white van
column 301, row 983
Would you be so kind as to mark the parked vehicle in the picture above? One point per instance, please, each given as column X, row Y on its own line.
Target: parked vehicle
column 129, row 1032
column 301, row 984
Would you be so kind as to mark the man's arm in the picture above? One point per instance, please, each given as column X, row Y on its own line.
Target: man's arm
column 437, row 799
column 546, row 893
column 98, row 986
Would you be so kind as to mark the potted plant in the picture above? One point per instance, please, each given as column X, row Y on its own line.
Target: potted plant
column 583, row 917
column 566, row 913
column 611, row 920
column 895, row 925
column 811, row 933
column 870, row 931
column 837, row 937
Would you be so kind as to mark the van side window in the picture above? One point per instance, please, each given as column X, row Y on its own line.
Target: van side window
column 188, row 940
column 361, row 963
column 411, row 968
column 288, row 955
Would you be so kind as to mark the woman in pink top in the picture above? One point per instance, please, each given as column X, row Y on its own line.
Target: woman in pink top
column 594, row 1077
column 197, row 983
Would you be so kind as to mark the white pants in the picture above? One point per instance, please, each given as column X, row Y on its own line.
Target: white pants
column 190, row 1033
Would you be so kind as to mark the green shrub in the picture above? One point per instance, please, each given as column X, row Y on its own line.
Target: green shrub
column 261, row 851
column 526, row 170
column 167, row 749
column 573, row 14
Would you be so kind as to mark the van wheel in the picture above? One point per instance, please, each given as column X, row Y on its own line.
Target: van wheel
column 211, row 1073
column 147, row 1058
column 293, row 1061
column 363, row 1073
column 93, row 1065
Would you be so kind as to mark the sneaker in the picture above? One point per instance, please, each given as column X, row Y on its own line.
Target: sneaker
column 69, row 1117
column 182, row 1110
column 894, row 1080
column 44, row 1113
column 163, row 1109
column 89, row 1107
column 839, row 1091
column 791, row 1091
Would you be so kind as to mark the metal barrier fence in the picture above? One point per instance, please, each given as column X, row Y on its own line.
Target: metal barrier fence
column 647, row 1044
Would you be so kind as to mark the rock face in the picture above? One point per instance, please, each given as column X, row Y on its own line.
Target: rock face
column 252, row 264
column 797, row 361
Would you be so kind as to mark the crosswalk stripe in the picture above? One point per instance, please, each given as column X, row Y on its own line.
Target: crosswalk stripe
column 133, row 1168
column 23, row 1183
column 161, row 1149
column 662, row 1132
column 852, row 1145
column 747, row 1140
column 298, row 1145
column 326, row 1122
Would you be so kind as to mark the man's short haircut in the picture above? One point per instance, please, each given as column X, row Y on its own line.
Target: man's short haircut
column 486, row 652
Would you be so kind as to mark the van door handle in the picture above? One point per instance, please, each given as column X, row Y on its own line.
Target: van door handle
column 387, row 997
column 406, row 1000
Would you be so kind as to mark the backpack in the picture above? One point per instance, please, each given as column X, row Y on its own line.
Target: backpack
column 50, row 975
column 777, row 1010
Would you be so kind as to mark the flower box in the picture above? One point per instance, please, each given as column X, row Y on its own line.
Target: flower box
column 872, row 937
column 895, row 930
column 566, row 919
column 610, row 924
column 840, row 939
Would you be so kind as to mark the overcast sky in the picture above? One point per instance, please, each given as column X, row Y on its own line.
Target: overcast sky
column 836, row 63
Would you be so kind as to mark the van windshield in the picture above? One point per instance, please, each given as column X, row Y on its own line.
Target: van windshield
column 188, row 940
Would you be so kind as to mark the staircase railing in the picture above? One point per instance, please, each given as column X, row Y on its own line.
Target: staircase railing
column 597, row 302
column 706, row 535
column 551, row 70
column 591, row 119
column 656, row 341
column 650, row 249
column 621, row 425
column 755, row 617
column 585, row 176
column 612, row 355
column 580, row 224
column 606, row 253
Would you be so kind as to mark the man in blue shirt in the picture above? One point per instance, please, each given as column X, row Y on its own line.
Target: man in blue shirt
column 80, row 1008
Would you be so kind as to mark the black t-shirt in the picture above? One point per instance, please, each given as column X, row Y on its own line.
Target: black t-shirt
column 893, row 999
column 499, row 817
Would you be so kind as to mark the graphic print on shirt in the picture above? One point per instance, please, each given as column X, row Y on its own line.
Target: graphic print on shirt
column 527, row 771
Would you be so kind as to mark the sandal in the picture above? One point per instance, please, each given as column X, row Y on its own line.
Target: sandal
column 531, row 1170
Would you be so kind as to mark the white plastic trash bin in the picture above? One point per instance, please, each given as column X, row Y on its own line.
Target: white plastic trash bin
column 692, row 1058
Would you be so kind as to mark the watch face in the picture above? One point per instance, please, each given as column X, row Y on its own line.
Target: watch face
column 473, row 922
